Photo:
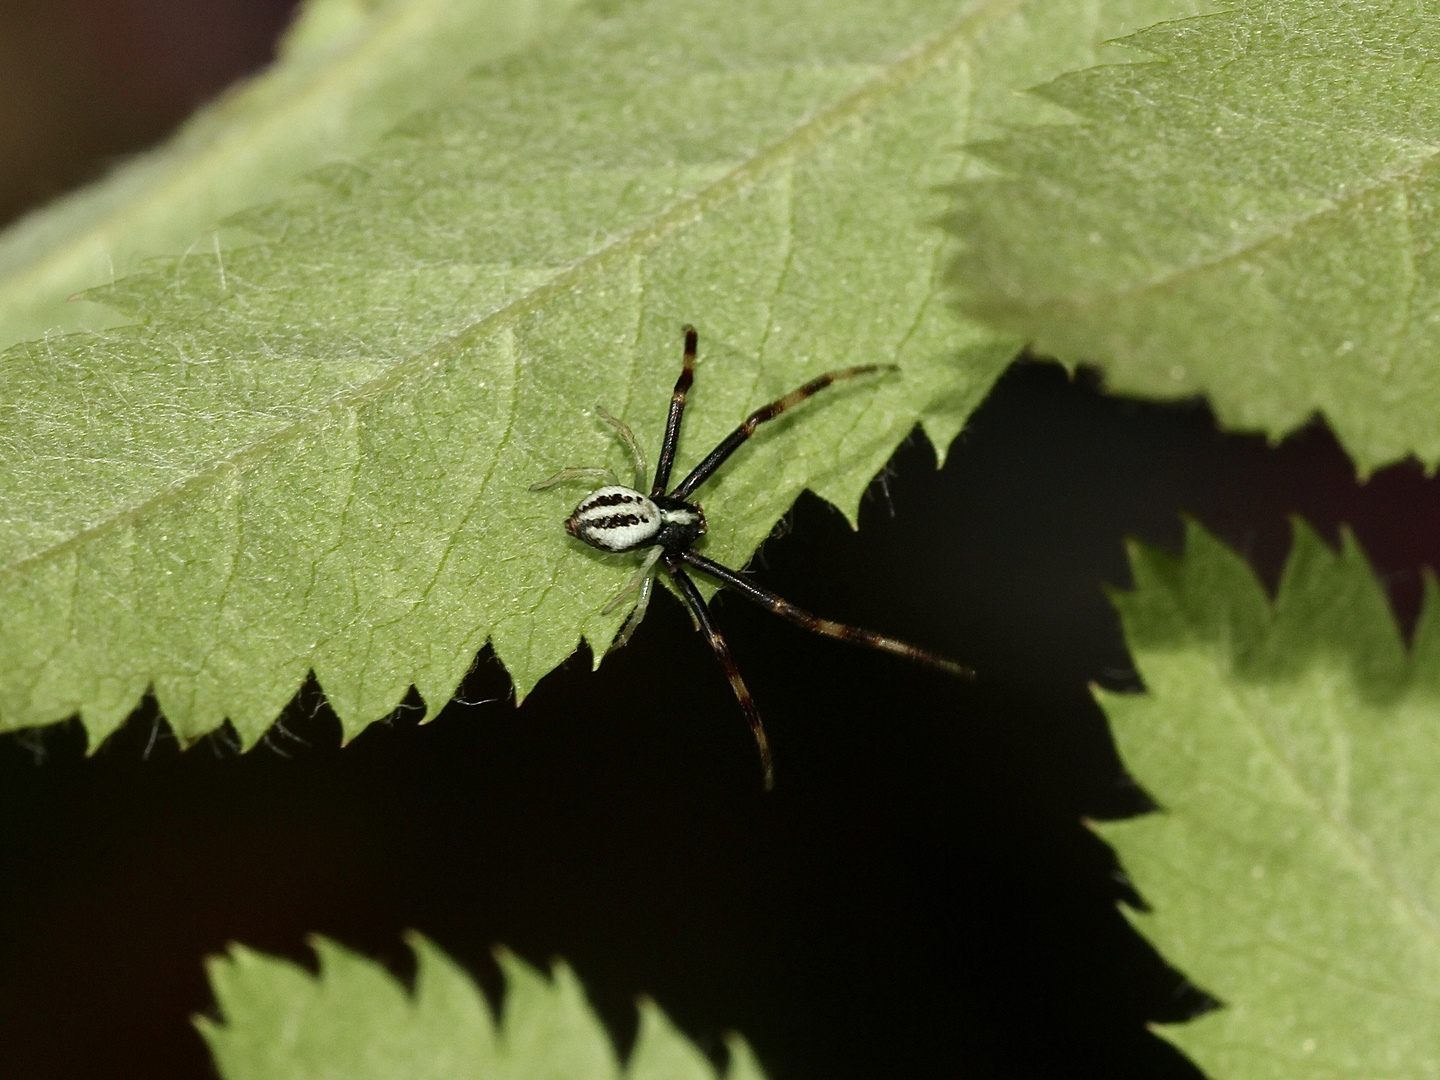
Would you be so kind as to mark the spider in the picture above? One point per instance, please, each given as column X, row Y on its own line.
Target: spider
column 617, row 519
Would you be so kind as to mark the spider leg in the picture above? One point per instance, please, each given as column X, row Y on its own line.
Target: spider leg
column 637, row 580
column 786, row 610
column 732, row 442
column 573, row 474
column 636, row 454
column 636, row 616
column 677, row 411
column 701, row 614
column 644, row 581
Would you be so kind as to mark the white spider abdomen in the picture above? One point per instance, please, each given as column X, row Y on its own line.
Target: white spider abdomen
column 615, row 519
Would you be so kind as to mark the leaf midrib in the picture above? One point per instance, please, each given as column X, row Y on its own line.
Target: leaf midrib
column 896, row 76
column 1203, row 884
column 1169, row 279
column 1351, row 839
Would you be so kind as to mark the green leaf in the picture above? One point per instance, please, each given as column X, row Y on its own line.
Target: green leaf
column 348, row 71
column 313, row 450
column 355, row 1021
column 1250, row 214
column 1293, row 750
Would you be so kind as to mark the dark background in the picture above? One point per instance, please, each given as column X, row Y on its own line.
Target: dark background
column 918, row 897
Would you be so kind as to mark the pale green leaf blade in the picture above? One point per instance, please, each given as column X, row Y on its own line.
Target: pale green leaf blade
column 348, row 70
column 355, row 1021
column 743, row 1063
column 550, row 1031
column 1250, row 213
column 663, row 1053
column 1293, row 870
column 314, row 452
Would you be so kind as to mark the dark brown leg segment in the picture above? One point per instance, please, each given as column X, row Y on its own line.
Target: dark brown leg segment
column 786, row 610
column 731, row 443
column 677, row 413
column 696, row 603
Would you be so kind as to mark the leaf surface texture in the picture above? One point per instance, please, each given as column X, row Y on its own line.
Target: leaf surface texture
column 348, row 70
column 311, row 450
column 1250, row 212
column 1293, row 870
column 355, row 1021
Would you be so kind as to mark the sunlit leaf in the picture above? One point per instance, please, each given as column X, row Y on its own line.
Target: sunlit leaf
column 348, row 70
column 313, row 449
column 1294, row 866
column 355, row 1021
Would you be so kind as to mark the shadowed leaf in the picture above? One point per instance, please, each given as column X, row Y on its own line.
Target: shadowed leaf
column 1250, row 213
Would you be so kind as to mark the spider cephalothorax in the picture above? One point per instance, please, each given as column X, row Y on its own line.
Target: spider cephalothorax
column 666, row 524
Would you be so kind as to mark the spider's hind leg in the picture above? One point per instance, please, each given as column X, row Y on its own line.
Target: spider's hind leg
column 574, row 474
column 642, row 581
column 634, row 619
column 637, row 456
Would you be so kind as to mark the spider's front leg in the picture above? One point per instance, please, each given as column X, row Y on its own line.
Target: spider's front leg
column 788, row 611
column 701, row 615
